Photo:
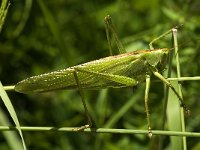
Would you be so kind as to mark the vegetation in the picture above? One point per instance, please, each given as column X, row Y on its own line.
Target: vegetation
column 42, row 36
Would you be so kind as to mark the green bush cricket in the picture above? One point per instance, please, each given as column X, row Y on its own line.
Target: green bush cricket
column 127, row 69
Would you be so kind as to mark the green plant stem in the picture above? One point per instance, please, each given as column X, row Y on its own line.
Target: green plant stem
column 179, row 86
column 184, row 78
column 8, row 88
column 102, row 130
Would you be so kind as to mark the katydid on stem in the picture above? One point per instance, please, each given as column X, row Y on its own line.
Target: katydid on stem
column 127, row 69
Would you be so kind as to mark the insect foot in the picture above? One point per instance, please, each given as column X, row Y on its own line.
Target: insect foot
column 186, row 110
column 81, row 128
column 149, row 132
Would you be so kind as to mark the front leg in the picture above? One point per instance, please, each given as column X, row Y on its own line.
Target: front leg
column 158, row 75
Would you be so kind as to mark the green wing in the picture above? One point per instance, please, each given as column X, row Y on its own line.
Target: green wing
column 114, row 71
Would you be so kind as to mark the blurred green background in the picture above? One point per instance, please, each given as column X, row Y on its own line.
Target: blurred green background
column 42, row 36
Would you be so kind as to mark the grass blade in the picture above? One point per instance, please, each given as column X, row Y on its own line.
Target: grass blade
column 173, row 117
column 3, row 12
column 12, row 112
column 12, row 138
